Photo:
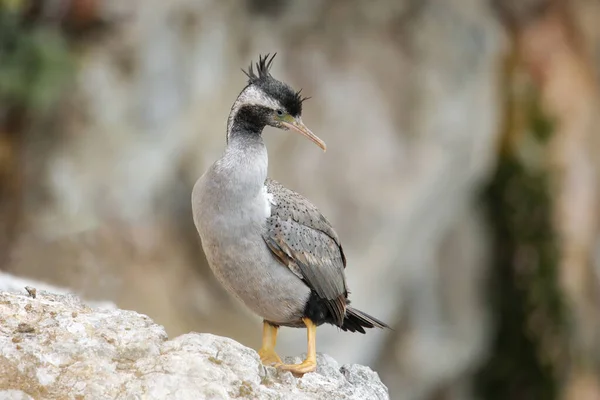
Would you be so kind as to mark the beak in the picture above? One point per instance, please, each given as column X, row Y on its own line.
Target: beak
column 297, row 125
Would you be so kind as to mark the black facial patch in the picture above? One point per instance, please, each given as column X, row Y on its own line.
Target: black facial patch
column 289, row 99
column 252, row 118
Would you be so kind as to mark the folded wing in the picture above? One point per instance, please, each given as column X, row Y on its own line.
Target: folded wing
column 302, row 239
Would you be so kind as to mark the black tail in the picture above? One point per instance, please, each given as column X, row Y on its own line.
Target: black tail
column 356, row 320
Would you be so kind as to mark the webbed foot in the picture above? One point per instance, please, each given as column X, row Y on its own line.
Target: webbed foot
column 299, row 369
column 269, row 356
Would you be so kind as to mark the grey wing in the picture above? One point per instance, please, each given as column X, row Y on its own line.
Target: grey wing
column 303, row 240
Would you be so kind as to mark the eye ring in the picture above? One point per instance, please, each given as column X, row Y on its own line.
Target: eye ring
column 280, row 113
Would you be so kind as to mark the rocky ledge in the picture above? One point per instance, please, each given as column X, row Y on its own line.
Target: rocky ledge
column 52, row 346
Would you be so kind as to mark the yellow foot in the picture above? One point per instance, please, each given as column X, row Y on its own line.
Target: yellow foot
column 299, row 369
column 269, row 357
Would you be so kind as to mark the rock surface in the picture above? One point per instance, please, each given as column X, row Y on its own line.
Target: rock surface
column 54, row 346
column 12, row 283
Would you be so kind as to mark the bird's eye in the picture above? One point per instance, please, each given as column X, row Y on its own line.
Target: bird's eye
column 280, row 113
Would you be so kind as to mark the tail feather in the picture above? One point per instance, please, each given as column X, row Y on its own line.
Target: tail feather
column 356, row 320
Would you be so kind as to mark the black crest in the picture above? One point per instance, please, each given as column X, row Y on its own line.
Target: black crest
column 262, row 77
column 262, row 68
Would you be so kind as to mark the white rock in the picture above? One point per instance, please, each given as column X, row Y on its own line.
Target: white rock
column 11, row 283
column 53, row 346
column 14, row 395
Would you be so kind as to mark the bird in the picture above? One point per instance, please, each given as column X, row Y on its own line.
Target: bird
column 269, row 246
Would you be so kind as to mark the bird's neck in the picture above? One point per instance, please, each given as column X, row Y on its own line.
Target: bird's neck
column 244, row 164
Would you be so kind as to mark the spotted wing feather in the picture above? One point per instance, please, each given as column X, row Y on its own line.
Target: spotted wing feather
column 303, row 240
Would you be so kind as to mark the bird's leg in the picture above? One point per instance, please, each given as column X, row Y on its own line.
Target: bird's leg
column 310, row 364
column 269, row 340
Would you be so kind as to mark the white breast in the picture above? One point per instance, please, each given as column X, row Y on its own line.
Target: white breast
column 269, row 201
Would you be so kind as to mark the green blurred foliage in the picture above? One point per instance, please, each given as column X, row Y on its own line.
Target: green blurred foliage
column 529, row 349
column 35, row 60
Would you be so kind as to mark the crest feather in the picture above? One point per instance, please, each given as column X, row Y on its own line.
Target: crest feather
column 300, row 98
column 282, row 93
column 262, row 68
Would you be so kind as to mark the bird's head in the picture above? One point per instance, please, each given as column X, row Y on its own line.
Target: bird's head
column 267, row 101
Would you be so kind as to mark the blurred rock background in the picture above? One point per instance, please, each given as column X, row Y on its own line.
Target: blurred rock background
column 461, row 171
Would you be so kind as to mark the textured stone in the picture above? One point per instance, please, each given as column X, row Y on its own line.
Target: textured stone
column 14, row 395
column 54, row 346
column 11, row 283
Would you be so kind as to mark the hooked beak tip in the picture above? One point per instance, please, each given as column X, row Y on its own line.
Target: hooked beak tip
column 299, row 127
